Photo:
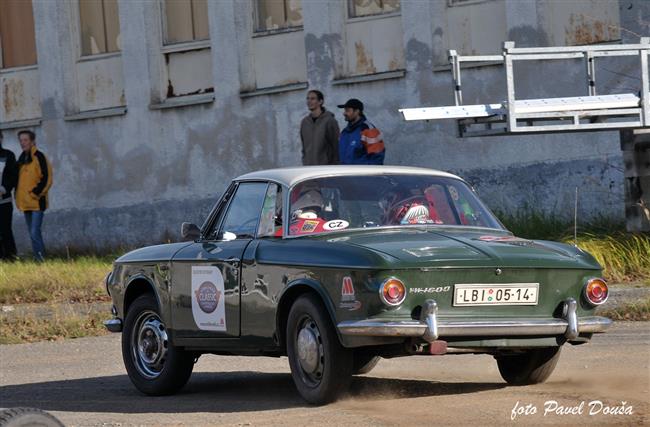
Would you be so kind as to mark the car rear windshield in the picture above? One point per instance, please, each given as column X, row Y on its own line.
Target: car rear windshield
column 345, row 202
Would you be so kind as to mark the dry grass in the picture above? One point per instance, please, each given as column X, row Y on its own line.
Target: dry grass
column 32, row 328
column 56, row 280
column 625, row 257
column 638, row 310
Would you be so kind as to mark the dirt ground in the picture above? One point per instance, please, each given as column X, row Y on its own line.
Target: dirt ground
column 83, row 382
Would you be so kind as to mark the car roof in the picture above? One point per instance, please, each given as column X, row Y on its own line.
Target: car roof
column 292, row 175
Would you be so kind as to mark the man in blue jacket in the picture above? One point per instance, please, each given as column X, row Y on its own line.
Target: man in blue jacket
column 360, row 143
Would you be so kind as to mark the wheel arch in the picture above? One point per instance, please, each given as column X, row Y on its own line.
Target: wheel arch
column 290, row 294
column 137, row 286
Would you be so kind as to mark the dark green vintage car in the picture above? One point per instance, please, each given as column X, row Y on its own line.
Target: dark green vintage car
column 336, row 267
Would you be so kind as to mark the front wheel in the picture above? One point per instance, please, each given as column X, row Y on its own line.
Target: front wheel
column 320, row 366
column 154, row 365
column 531, row 367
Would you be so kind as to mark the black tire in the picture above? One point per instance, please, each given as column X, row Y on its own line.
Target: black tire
column 158, row 368
column 532, row 367
column 364, row 362
column 27, row 417
column 322, row 378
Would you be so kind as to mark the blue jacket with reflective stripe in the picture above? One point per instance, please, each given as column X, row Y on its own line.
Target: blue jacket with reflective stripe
column 351, row 150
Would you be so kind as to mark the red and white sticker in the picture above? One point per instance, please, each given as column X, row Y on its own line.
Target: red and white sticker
column 348, row 297
column 336, row 224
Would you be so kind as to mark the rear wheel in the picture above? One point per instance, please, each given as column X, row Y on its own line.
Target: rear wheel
column 320, row 366
column 154, row 365
column 532, row 367
column 364, row 362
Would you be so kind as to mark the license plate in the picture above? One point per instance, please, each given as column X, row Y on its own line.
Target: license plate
column 467, row 294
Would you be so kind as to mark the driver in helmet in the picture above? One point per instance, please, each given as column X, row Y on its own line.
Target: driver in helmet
column 413, row 209
column 305, row 217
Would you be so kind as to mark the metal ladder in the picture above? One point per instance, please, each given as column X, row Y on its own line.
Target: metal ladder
column 517, row 116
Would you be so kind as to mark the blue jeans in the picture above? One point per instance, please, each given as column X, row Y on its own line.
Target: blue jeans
column 34, row 220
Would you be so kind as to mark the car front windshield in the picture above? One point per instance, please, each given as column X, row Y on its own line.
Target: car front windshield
column 346, row 202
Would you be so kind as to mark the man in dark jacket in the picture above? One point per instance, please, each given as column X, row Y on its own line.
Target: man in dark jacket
column 9, row 174
column 319, row 133
column 361, row 143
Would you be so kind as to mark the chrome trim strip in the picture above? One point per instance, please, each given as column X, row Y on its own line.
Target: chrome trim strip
column 113, row 325
column 460, row 328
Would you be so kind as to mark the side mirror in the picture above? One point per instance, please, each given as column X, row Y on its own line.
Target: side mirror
column 190, row 231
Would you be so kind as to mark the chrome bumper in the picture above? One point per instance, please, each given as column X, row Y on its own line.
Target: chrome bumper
column 430, row 328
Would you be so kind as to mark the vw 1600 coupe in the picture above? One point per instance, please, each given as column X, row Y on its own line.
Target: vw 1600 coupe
column 339, row 266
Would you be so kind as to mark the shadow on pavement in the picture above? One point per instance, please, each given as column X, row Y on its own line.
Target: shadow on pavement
column 210, row 392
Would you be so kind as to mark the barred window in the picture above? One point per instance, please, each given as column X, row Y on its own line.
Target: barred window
column 277, row 14
column 100, row 26
column 17, row 42
column 186, row 21
column 360, row 8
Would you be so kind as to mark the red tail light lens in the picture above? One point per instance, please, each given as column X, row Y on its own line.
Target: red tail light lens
column 596, row 291
column 392, row 292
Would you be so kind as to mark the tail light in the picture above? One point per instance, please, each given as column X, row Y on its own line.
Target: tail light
column 392, row 292
column 596, row 291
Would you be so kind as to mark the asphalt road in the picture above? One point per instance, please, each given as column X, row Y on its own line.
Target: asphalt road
column 83, row 382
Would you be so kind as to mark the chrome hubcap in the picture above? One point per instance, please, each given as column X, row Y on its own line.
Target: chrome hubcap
column 309, row 348
column 149, row 345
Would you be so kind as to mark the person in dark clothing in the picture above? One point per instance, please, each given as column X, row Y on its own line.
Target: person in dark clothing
column 9, row 174
column 361, row 143
column 319, row 133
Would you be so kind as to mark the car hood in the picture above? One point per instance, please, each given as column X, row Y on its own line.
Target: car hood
column 153, row 253
column 464, row 247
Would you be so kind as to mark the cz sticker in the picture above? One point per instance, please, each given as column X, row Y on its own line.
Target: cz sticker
column 336, row 224
column 208, row 305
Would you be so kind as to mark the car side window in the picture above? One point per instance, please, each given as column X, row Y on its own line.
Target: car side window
column 243, row 213
column 271, row 218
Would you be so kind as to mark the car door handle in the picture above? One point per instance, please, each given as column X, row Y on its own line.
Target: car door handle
column 234, row 262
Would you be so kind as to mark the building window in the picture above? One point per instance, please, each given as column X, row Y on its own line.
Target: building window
column 186, row 21
column 360, row 8
column 100, row 27
column 17, row 42
column 278, row 14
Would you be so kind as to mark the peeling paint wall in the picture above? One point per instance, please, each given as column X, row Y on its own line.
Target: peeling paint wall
column 188, row 73
column 580, row 22
column 476, row 28
column 134, row 178
column 279, row 59
column 19, row 95
column 374, row 46
column 100, row 83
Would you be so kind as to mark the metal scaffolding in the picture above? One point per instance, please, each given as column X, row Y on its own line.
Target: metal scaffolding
column 517, row 116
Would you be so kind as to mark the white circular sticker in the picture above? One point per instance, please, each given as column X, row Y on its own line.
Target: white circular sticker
column 336, row 224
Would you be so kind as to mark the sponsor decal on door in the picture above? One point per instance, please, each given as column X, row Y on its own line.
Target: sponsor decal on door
column 208, row 304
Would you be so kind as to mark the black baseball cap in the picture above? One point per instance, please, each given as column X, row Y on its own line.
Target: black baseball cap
column 352, row 103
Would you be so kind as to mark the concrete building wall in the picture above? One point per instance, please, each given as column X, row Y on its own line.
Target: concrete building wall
column 136, row 159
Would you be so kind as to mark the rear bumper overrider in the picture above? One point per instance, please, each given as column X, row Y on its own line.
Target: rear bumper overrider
column 430, row 327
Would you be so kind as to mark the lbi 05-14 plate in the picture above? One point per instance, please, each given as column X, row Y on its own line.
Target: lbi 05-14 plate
column 467, row 294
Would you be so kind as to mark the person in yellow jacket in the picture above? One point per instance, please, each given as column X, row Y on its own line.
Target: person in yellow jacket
column 34, row 181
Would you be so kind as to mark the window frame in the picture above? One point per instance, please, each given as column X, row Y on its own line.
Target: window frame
column 77, row 20
column 220, row 211
column 457, row 3
column 263, row 33
column 183, row 46
column 351, row 18
column 17, row 68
